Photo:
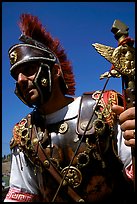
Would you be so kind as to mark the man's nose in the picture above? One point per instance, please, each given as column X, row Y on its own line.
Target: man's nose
column 22, row 77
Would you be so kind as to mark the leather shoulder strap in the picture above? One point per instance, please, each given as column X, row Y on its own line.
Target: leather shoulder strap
column 94, row 103
column 86, row 113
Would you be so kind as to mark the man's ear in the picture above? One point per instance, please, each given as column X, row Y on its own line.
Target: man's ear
column 56, row 70
column 58, row 75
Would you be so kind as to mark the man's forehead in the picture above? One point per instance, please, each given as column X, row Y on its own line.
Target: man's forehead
column 26, row 68
column 27, row 65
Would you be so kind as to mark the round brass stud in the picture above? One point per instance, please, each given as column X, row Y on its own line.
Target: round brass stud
column 46, row 163
column 35, row 141
column 83, row 125
column 72, row 175
column 63, row 128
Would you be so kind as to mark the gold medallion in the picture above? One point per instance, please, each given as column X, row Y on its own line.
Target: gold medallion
column 63, row 128
column 13, row 57
column 72, row 176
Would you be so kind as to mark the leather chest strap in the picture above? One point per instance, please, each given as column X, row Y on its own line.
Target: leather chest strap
column 49, row 166
column 55, row 174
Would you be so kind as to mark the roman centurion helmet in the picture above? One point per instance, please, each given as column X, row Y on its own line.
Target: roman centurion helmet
column 39, row 46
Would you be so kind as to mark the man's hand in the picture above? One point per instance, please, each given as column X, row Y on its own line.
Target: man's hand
column 127, row 123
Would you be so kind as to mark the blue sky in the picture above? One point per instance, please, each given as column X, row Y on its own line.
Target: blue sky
column 78, row 25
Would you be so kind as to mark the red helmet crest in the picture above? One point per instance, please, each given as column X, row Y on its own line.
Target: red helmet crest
column 32, row 27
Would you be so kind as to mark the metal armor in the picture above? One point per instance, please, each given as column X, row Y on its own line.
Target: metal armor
column 79, row 162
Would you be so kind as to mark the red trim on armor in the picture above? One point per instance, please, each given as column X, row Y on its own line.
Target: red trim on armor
column 19, row 196
column 108, row 99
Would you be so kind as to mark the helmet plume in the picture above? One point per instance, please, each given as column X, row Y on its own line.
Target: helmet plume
column 31, row 26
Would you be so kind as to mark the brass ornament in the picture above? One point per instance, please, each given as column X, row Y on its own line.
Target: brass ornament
column 72, row 176
column 35, row 141
column 90, row 145
column 63, row 128
column 46, row 163
column 84, row 124
column 105, row 108
column 111, row 73
column 21, row 133
column 99, row 126
column 13, row 57
column 122, row 57
column 23, row 122
column 30, row 127
column 44, row 82
column 82, row 159
column 24, row 136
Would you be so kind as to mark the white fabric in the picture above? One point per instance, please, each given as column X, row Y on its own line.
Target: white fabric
column 124, row 151
column 23, row 180
column 65, row 113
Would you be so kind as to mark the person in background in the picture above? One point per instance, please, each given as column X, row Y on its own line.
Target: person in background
column 68, row 148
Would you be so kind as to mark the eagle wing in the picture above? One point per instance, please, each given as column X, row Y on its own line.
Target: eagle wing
column 105, row 51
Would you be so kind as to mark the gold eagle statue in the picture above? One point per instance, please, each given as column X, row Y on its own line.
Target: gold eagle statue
column 122, row 58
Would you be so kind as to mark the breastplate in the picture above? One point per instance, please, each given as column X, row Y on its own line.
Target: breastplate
column 81, row 149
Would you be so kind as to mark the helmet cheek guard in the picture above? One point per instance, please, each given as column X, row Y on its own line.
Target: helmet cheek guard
column 43, row 82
